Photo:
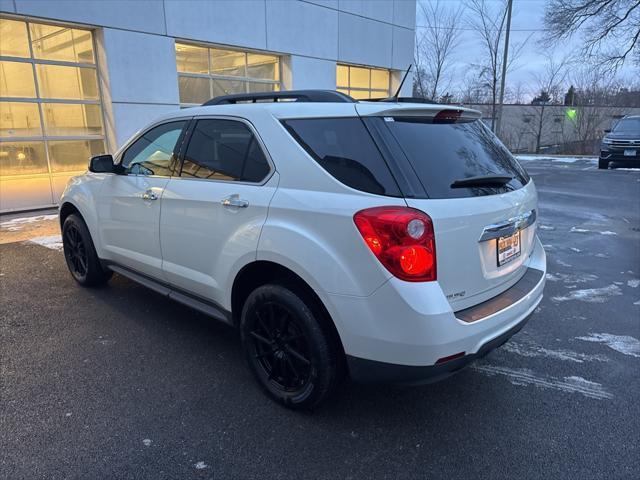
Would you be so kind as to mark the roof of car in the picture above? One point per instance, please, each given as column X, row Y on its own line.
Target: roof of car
column 283, row 110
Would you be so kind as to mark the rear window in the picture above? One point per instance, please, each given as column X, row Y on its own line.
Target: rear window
column 443, row 153
column 345, row 149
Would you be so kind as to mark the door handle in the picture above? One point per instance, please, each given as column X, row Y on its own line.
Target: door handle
column 149, row 195
column 234, row 201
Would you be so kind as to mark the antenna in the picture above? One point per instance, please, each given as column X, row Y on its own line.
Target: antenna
column 395, row 97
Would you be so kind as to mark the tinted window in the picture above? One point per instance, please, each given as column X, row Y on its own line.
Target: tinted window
column 443, row 153
column 224, row 150
column 153, row 152
column 344, row 148
column 628, row 125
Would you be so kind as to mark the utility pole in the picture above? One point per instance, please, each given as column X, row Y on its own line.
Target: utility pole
column 504, row 69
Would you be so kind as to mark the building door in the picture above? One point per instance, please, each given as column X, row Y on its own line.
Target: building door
column 50, row 111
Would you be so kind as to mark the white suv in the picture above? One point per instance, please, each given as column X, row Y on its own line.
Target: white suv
column 390, row 241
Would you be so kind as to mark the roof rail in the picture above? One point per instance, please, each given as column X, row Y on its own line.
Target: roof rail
column 290, row 95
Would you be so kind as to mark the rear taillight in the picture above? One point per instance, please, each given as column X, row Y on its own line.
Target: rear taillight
column 402, row 239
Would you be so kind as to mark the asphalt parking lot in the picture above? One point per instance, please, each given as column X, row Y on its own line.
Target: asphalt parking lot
column 121, row 383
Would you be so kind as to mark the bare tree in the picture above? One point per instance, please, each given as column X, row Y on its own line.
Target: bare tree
column 489, row 25
column 610, row 28
column 549, row 83
column 593, row 87
column 437, row 42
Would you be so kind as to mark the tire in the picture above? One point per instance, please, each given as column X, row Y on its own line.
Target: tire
column 80, row 254
column 603, row 164
column 295, row 360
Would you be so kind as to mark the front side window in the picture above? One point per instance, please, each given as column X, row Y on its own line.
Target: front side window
column 224, row 150
column 207, row 72
column 345, row 149
column 153, row 152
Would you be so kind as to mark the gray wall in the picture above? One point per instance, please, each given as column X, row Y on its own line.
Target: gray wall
column 135, row 42
column 558, row 133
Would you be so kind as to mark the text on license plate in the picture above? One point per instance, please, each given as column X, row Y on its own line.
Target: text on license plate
column 508, row 248
column 629, row 152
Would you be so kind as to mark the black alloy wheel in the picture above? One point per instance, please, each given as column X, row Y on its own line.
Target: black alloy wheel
column 80, row 254
column 75, row 252
column 280, row 347
column 289, row 347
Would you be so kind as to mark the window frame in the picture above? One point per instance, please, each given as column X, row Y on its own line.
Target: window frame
column 246, row 80
column 187, row 139
column 40, row 101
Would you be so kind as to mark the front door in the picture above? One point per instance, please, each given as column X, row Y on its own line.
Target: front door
column 129, row 203
column 213, row 212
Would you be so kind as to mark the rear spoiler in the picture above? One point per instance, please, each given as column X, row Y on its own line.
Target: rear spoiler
column 441, row 115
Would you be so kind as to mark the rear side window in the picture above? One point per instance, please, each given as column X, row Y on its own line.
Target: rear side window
column 345, row 149
column 224, row 150
column 440, row 154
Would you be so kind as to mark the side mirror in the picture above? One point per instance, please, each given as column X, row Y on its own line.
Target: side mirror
column 607, row 131
column 102, row 164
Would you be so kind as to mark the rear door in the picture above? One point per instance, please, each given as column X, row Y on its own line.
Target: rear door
column 214, row 210
column 484, row 233
column 129, row 203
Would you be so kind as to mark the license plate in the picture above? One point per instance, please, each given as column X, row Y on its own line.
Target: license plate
column 629, row 152
column 508, row 248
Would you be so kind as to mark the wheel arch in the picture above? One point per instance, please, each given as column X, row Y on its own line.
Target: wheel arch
column 261, row 272
column 67, row 208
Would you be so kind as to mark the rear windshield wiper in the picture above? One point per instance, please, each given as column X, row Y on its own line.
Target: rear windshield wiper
column 482, row 181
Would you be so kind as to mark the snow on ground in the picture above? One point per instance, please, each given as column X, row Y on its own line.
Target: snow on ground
column 529, row 158
column 54, row 242
column 18, row 223
column 620, row 343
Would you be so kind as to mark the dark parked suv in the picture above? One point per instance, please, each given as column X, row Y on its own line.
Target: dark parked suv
column 622, row 143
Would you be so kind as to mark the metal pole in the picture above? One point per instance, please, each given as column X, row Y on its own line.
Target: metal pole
column 504, row 68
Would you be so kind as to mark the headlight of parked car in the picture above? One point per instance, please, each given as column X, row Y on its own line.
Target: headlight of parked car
column 606, row 140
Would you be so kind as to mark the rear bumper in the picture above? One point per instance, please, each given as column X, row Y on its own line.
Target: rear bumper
column 412, row 325
column 370, row 371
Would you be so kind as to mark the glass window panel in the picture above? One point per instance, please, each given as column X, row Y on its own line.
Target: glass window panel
column 16, row 80
column 54, row 42
column 342, row 76
column 14, row 41
column 22, row 158
column 19, row 119
column 56, row 81
column 380, row 79
column 224, row 150
column 153, row 152
column 227, row 87
column 69, row 156
column 359, row 77
column 63, row 119
column 262, row 66
column 192, row 59
column 227, row 62
column 360, row 94
column 193, row 89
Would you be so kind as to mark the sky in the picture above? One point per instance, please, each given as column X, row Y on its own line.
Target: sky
column 527, row 21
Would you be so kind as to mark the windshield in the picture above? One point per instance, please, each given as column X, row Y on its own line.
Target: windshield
column 628, row 125
column 441, row 154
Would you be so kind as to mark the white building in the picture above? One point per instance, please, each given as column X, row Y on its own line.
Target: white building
column 79, row 77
